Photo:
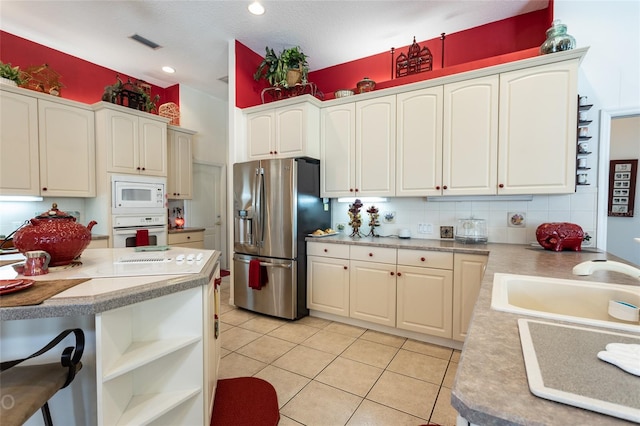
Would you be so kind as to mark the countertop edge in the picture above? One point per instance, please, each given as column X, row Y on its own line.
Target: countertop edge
column 73, row 306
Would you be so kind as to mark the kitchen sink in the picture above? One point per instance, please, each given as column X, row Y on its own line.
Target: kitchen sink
column 582, row 302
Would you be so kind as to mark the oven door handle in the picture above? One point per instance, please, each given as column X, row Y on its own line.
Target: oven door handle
column 132, row 230
column 275, row 265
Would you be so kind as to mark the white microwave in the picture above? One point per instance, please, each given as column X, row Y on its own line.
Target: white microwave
column 138, row 194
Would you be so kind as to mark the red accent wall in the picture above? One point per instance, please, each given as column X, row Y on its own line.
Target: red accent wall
column 498, row 42
column 83, row 81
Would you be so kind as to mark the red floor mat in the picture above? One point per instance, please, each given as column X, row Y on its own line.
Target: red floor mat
column 245, row 401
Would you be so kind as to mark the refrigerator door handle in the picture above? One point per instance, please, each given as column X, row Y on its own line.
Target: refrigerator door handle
column 260, row 206
column 274, row 265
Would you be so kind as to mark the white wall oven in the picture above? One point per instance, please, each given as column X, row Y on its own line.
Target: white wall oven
column 133, row 231
column 139, row 211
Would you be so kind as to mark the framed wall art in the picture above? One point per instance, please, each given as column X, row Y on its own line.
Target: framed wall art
column 622, row 187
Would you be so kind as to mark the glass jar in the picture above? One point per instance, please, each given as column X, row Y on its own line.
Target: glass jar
column 557, row 39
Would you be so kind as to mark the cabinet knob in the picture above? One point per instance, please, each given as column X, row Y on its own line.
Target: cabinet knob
column 326, row 251
column 44, row 189
column 370, row 254
column 270, row 152
column 188, row 237
column 345, row 268
column 144, row 168
column 275, row 152
column 399, row 274
column 350, row 189
column 444, row 187
column 392, row 273
column 438, row 187
column 422, row 259
column 137, row 168
column 357, row 190
column 501, row 185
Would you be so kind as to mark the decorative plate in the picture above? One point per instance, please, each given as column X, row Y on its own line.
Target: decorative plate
column 23, row 286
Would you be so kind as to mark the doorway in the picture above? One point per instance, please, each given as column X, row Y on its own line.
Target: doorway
column 208, row 208
column 615, row 234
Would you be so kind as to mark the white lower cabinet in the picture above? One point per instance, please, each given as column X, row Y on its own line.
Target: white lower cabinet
column 425, row 291
column 372, row 292
column 424, row 300
column 328, row 278
column 149, row 361
column 422, row 291
column 468, row 271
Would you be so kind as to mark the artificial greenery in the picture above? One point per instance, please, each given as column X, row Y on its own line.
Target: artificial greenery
column 11, row 73
column 273, row 68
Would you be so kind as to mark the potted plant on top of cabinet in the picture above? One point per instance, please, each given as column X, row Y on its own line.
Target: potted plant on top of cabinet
column 11, row 74
column 286, row 70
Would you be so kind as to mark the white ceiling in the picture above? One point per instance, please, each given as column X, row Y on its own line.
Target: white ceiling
column 195, row 35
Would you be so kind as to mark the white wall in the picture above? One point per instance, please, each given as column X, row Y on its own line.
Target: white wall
column 207, row 116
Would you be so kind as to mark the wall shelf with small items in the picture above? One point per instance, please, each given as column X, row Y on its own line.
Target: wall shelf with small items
column 582, row 165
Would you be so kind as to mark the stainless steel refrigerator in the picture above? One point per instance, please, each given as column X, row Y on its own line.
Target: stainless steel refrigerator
column 276, row 205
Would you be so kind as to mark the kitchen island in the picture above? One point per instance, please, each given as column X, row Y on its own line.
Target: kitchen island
column 151, row 347
column 491, row 386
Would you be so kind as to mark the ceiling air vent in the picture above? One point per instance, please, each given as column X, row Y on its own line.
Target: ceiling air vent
column 145, row 41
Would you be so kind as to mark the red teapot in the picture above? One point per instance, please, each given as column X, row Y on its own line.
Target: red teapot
column 57, row 233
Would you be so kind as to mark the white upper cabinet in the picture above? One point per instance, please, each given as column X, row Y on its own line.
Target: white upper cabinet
column 419, row 142
column 47, row 147
column 470, row 137
column 537, row 136
column 338, row 151
column 19, row 160
column 290, row 131
column 134, row 144
column 180, row 172
column 358, row 148
column 376, row 146
column 67, row 150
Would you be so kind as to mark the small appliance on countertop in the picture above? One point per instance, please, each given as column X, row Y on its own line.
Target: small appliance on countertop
column 473, row 231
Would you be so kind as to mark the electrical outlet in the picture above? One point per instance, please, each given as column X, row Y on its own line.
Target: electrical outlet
column 425, row 228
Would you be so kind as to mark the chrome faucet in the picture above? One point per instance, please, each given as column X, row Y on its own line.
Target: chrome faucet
column 588, row 267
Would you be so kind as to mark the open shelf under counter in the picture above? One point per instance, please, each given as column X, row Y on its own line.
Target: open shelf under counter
column 143, row 409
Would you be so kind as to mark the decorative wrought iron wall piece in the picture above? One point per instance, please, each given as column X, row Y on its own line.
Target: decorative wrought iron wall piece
column 415, row 61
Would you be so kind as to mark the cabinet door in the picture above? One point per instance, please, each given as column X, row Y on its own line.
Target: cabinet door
column 537, row 131
column 67, row 150
column 468, row 273
column 337, row 151
column 425, row 300
column 19, row 174
column 470, row 137
column 419, row 139
column 180, row 174
column 290, row 131
column 122, row 140
column 261, row 135
column 373, row 292
column 376, row 146
column 153, row 147
column 328, row 285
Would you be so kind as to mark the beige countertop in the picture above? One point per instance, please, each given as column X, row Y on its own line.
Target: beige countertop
column 491, row 386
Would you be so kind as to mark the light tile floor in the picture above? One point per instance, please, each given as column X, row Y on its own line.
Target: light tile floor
column 331, row 374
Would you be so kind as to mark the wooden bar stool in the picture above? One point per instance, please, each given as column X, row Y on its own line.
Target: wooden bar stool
column 24, row 390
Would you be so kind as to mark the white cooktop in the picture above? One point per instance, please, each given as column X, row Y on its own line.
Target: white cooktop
column 103, row 263
column 126, row 262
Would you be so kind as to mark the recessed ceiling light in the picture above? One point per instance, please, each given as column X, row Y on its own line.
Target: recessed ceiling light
column 256, row 8
column 168, row 70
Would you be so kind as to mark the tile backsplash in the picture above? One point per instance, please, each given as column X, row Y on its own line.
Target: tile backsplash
column 512, row 222
column 13, row 213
